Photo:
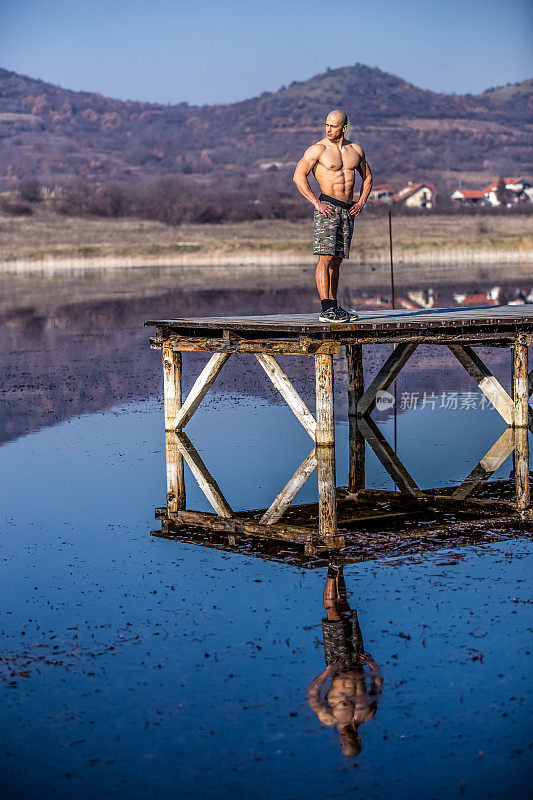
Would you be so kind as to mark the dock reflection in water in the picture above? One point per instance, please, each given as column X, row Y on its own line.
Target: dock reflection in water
column 345, row 694
column 161, row 667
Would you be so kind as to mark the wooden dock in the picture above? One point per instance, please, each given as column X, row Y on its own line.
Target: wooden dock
column 320, row 526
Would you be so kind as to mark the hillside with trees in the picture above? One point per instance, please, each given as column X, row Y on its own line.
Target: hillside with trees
column 248, row 149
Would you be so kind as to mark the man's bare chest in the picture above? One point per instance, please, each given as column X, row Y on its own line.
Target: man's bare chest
column 339, row 160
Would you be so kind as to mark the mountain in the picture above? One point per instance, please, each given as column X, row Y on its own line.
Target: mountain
column 55, row 134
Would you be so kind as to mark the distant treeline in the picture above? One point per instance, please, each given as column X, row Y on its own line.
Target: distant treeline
column 176, row 201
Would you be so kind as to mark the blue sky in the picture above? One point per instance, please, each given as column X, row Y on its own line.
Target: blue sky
column 215, row 51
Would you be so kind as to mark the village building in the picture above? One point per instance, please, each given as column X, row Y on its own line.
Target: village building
column 517, row 190
column 416, row 195
column 470, row 197
column 381, row 194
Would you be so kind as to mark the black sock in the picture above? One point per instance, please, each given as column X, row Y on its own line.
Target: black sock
column 327, row 304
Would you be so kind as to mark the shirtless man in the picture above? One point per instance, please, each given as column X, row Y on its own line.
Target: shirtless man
column 333, row 161
column 349, row 701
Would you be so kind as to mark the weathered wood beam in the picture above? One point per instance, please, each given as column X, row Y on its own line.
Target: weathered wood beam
column 176, row 498
column 488, row 384
column 520, row 384
column 301, row 347
column 490, row 462
column 356, row 441
column 201, row 386
column 388, row 457
column 325, row 426
column 172, row 367
column 428, row 498
column 172, row 386
column 388, row 372
column 203, row 477
column 521, row 462
column 522, row 415
column 288, row 392
column 290, row 490
column 246, row 526
column 327, row 492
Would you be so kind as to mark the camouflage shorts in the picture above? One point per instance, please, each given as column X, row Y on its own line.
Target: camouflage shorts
column 332, row 235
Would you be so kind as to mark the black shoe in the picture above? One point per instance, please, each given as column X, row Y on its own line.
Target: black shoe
column 335, row 314
column 351, row 313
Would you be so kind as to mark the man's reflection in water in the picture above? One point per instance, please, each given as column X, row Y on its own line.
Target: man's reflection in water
column 349, row 701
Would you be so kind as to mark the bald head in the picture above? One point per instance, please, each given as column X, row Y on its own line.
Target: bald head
column 337, row 117
column 336, row 126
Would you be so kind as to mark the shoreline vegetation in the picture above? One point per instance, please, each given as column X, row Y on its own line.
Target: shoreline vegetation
column 48, row 242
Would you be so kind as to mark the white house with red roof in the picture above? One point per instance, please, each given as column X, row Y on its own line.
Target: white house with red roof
column 381, row 194
column 416, row 195
column 470, row 197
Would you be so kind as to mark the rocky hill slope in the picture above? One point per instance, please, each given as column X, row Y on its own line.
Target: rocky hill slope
column 408, row 133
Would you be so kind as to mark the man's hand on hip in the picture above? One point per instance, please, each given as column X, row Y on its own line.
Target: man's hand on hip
column 324, row 208
column 356, row 209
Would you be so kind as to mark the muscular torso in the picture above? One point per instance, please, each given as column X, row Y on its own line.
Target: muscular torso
column 349, row 700
column 335, row 168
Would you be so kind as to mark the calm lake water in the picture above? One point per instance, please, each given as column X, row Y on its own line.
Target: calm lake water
column 132, row 664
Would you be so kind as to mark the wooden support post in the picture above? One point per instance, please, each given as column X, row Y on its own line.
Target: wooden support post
column 290, row 490
column 520, row 385
column 325, row 430
column 356, row 458
column 327, row 492
column 203, row 477
column 200, row 388
column 172, row 366
column 521, row 461
column 172, row 386
column 325, row 439
column 521, row 415
column 288, row 392
column 388, row 372
column 176, row 499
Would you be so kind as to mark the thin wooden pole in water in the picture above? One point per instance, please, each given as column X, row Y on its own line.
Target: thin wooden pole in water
column 393, row 303
column 391, row 262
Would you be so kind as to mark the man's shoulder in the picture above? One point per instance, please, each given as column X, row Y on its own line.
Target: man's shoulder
column 313, row 153
column 354, row 146
column 317, row 147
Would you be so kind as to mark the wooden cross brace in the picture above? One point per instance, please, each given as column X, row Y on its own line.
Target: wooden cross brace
column 510, row 440
column 177, row 415
column 321, row 430
column 179, row 445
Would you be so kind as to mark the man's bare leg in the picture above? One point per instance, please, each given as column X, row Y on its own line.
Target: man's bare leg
column 327, row 277
column 333, row 268
column 331, row 597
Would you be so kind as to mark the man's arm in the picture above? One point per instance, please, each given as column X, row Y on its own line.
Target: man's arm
column 375, row 672
column 303, row 168
column 314, row 696
column 366, row 187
